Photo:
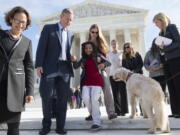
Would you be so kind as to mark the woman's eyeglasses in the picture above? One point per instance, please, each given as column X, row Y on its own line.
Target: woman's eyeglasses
column 94, row 32
column 20, row 22
column 126, row 47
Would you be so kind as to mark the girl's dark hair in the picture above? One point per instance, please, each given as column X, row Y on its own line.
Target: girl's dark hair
column 10, row 15
column 154, row 47
column 94, row 52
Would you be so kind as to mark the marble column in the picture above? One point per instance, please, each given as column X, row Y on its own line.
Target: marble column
column 127, row 35
column 141, row 39
column 82, row 38
column 112, row 35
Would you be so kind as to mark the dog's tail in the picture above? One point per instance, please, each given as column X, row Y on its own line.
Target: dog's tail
column 161, row 117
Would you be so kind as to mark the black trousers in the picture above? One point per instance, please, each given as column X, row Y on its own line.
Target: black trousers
column 61, row 86
column 162, row 81
column 172, row 67
column 120, row 96
column 13, row 128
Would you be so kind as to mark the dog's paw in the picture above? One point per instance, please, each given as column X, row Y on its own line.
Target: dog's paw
column 166, row 131
column 145, row 117
column 132, row 117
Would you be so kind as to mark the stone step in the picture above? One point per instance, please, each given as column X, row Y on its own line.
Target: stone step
column 31, row 120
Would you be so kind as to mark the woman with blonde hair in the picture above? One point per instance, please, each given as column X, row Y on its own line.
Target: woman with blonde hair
column 171, row 54
column 96, row 36
column 132, row 60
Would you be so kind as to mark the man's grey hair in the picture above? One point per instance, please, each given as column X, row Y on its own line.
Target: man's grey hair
column 67, row 11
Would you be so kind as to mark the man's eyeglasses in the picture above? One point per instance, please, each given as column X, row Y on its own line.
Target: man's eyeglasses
column 94, row 32
column 20, row 22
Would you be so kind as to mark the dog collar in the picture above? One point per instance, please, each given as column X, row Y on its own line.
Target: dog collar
column 129, row 75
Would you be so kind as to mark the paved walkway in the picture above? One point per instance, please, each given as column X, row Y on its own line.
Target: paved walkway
column 103, row 132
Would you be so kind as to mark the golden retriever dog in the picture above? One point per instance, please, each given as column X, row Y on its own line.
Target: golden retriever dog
column 151, row 94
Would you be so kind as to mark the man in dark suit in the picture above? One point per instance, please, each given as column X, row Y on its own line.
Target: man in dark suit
column 53, row 63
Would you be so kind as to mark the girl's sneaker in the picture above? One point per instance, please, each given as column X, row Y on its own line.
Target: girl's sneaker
column 95, row 127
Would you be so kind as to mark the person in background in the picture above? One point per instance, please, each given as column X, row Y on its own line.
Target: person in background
column 171, row 54
column 77, row 93
column 70, row 101
column 118, row 87
column 16, row 69
column 133, row 61
column 153, row 64
column 96, row 36
column 91, row 79
column 54, row 67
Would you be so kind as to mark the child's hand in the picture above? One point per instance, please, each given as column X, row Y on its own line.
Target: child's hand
column 101, row 66
column 98, row 59
column 73, row 58
column 82, row 65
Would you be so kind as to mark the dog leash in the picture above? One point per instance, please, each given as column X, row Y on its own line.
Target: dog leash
column 129, row 75
column 170, row 78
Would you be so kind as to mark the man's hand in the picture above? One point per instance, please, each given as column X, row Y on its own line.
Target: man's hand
column 39, row 71
column 73, row 58
column 28, row 99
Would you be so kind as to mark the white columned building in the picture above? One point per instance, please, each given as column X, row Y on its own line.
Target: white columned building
column 125, row 24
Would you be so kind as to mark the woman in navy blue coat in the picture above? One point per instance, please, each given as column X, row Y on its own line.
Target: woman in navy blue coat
column 171, row 54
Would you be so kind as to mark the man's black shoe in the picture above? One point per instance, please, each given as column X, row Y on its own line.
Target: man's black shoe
column 61, row 131
column 89, row 118
column 171, row 115
column 176, row 116
column 112, row 116
column 121, row 114
column 44, row 131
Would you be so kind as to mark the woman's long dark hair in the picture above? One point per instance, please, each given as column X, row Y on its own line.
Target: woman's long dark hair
column 94, row 52
column 154, row 49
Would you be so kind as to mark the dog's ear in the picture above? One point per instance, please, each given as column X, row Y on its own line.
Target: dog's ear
column 124, row 74
column 117, row 75
column 114, row 72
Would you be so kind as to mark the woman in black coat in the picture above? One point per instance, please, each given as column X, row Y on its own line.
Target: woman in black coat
column 171, row 54
column 132, row 60
column 16, row 69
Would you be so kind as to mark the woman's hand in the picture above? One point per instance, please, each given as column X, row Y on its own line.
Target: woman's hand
column 98, row 59
column 153, row 69
column 101, row 66
column 161, row 46
column 28, row 99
